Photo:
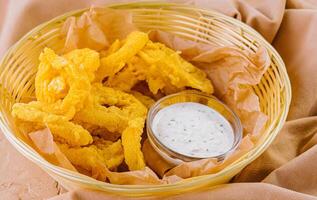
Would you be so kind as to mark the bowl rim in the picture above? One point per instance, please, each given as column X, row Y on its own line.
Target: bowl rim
column 31, row 154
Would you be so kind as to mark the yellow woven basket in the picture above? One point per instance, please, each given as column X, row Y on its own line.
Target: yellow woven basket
column 19, row 65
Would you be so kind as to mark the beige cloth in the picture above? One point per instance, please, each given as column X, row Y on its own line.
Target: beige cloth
column 287, row 170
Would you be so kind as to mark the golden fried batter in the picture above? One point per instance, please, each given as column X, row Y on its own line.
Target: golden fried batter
column 110, row 108
column 91, row 157
column 103, row 133
column 146, row 100
column 63, row 82
column 125, row 114
column 131, row 141
column 115, row 61
column 129, row 76
column 50, row 83
column 163, row 69
column 85, row 60
column 168, row 65
column 62, row 130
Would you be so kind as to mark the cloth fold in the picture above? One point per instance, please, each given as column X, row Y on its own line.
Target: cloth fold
column 287, row 170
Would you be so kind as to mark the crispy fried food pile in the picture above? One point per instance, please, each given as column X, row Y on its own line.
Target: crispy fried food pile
column 86, row 99
column 162, row 68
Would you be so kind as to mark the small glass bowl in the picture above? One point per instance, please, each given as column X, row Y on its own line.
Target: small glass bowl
column 176, row 158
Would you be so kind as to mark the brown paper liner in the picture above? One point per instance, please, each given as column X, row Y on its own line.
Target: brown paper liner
column 96, row 29
column 45, row 145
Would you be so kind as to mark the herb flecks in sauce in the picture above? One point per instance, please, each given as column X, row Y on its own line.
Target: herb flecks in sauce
column 193, row 129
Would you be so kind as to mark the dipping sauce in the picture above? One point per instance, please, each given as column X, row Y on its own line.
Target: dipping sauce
column 193, row 129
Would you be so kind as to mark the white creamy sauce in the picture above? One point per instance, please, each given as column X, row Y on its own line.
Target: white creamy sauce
column 193, row 129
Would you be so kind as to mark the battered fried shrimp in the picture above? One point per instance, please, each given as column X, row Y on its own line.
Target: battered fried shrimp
column 115, row 61
column 62, row 130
